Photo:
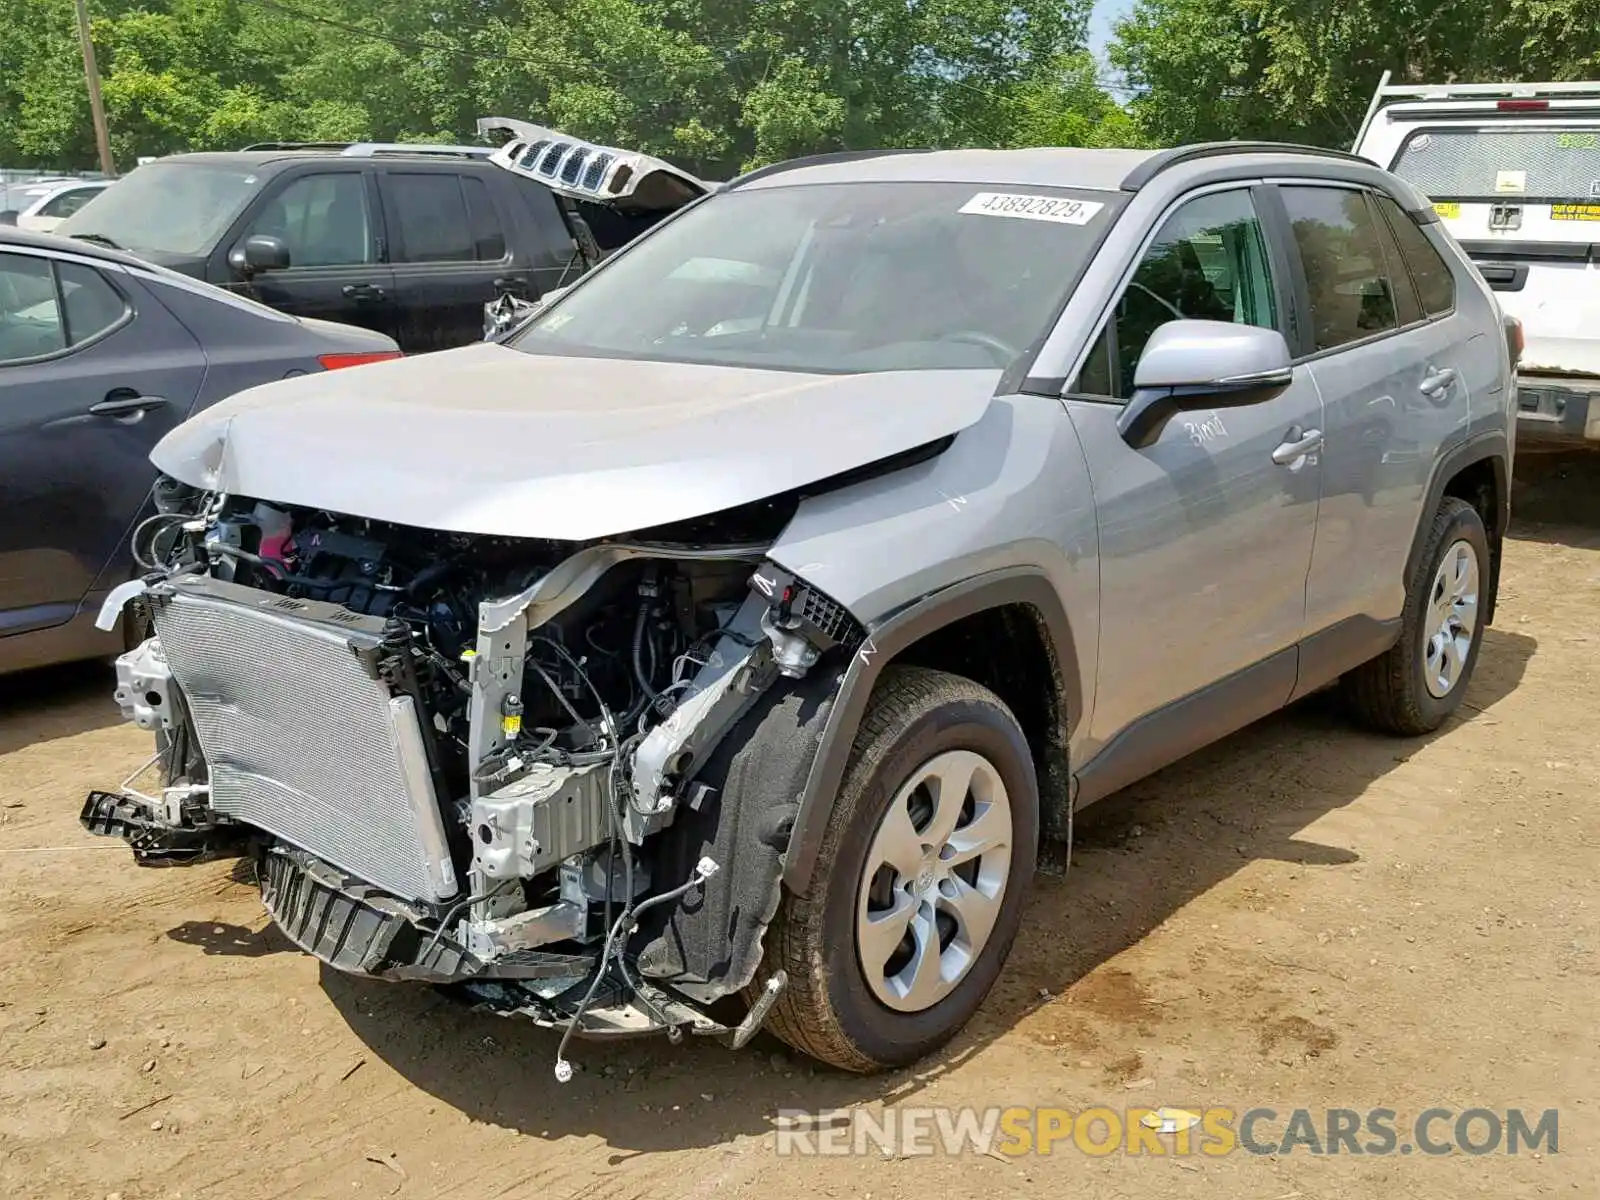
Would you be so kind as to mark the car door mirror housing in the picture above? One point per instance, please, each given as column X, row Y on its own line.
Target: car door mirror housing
column 259, row 252
column 1189, row 365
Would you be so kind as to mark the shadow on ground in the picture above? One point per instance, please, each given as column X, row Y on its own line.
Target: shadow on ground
column 56, row 702
column 1144, row 855
column 1555, row 498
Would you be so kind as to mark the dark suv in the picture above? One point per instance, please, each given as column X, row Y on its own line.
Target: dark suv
column 410, row 241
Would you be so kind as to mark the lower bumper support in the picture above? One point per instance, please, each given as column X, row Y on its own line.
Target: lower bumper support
column 154, row 842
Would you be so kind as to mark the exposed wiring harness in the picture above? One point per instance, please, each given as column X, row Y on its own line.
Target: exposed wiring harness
column 703, row 871
column 616, row 784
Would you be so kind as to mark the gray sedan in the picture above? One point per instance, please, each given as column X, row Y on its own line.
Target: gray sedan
column 100, row 355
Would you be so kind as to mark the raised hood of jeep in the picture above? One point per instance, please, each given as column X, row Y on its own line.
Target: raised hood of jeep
column 489, row 440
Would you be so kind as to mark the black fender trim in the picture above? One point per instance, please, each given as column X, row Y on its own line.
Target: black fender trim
column 887, row 639
column 1494, row 446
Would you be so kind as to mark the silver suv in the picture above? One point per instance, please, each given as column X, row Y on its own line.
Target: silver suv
column 744, row 624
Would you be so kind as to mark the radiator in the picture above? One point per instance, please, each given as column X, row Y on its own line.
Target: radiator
column 302, row 741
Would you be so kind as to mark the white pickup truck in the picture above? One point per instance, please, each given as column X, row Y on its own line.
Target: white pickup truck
column 1514, row 172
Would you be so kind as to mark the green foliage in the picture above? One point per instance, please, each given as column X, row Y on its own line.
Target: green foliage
column 725, row 85
column 1304, row 70
column 718, row 85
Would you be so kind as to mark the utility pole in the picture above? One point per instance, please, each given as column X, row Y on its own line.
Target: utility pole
column 91, row 75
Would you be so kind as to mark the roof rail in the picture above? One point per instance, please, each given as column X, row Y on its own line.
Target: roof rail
column 1162, row 159
column 370, row 149
column 817, row 160
column 296, row 146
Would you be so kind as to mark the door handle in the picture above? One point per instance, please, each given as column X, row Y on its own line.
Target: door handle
column 1437, row 381
column 124, row 404
column 362, row 291
column 1296, row 446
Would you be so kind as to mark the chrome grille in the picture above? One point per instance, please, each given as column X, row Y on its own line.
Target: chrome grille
column 302, row 740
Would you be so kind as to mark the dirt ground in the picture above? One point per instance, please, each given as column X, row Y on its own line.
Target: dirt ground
column 1302, row 917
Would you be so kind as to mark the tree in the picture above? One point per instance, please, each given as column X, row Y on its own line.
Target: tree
column 1067, row 105
column 1304, row 70
column 716, row 85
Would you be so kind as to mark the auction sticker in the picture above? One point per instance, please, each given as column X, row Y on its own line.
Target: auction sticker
column 1575, row 212
column 1032, row 208
column 1447, row 208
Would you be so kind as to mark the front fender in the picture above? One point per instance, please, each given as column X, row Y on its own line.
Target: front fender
column 885, row 640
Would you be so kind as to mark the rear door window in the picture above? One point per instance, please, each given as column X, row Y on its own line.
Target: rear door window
column 1408, row 309
column 1436, row 285
column 30, row 316
column 431, row 217
column 1347, row 276
column 89, row 304
column 488, row 234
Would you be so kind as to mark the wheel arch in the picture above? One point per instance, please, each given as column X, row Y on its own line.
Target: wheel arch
column 1038, row 680
column 1477, row 471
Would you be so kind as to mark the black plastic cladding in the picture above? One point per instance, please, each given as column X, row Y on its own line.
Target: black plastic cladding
column 1016, row 585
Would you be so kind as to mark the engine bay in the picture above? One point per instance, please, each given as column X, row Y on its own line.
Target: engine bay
column 468, row 746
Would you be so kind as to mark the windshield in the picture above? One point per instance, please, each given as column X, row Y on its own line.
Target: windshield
column 837, row 277
column 165, row 207
column 1501, row 164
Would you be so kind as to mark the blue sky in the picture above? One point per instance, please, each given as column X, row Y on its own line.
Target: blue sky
column 1105, row 12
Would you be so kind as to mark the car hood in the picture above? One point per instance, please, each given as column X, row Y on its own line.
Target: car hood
column 586, row 171
column 491, row 440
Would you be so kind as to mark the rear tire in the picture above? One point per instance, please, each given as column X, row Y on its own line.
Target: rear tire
column 1411, row 688
column 921, row 878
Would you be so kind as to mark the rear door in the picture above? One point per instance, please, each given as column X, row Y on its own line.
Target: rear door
column 549, row 241
column 1522, row 197
column 1395, row 384
column 93, row 372
column 450, row 252
column 330, row 220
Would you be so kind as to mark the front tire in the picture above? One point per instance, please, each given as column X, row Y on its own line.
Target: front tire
column 1411, row 688
column 921, row 881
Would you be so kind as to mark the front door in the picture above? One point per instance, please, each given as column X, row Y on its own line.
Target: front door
column 90, row 378
column 330, row 222
column 1205, row 535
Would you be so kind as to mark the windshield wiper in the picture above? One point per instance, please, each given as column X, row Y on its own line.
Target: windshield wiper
column 99, row 239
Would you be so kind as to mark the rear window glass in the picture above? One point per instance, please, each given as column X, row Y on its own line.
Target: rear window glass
column 1484, row 164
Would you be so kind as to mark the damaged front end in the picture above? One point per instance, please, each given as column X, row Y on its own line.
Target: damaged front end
column 503, row 765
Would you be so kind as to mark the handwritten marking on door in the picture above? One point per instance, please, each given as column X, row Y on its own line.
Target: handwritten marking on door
column 1201, row 432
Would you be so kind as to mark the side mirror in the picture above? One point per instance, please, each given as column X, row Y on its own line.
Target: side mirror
column 259, row 252
column 1188, row 365
column 9, row 217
